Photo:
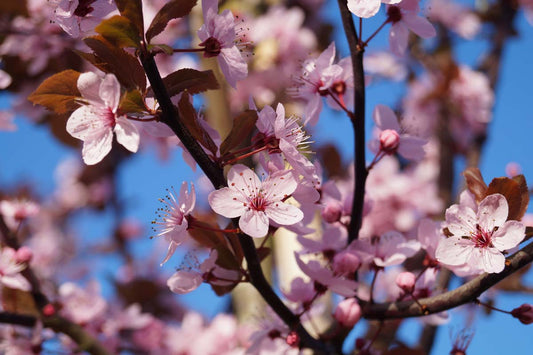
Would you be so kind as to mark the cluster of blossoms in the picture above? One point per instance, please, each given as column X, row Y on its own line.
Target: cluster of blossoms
column 394, row 255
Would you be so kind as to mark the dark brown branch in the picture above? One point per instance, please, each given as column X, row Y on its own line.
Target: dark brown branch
column 17, row 319
column 464, row 294
column 358, row 121
column 216, row 176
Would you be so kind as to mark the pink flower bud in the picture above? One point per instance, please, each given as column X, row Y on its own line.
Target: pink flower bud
column 332, row 213
column 389, row 141
column 49, row 310
column 406, row 281
column 23, row 255
column 293, row 339
column 348, row 312
column 524, row 313
column 346, row 262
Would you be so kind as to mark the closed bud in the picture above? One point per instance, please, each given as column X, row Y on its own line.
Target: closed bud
column 389, row 141
column 348, row 312
column 524, row 313
column 346, row 262
column 332, row 213
column 293, row 339
column 406, row 281
column 23, row 255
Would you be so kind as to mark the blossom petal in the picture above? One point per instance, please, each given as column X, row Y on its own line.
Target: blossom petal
column 488, row 259
column 254, row 223
column 398, row 36
column 184, row 281
column 89, row 87
column 109, row 91
column 460, row 220
column 279, row 185
column 364, row 8
column 419, row 25
column 284, row 214
column 385, row 118
column 412, row 148
column 509, row 235
column 97, row 147
column 232, row 65
column 492, row 212
column 454, row 251
column 16, row 281
column 127, row 134
column 243, row 179
column 227, row 202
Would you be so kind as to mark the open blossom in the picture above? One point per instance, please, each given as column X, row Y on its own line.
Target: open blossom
column 391, row 136
column 16, row 211
column 10, row 268
column 367, row 8
column 457, row 18
column 219, row 39
column 479, row 239
column 390, row 249
column 404, row 18
column 80, row 17
column 256, row 202
column 173, row 222
column 82, row 305
column 95, row 122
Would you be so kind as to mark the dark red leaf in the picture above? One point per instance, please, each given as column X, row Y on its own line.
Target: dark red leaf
column 475, row 183
column 243, row 125
column 58, row 92
column 171, row 10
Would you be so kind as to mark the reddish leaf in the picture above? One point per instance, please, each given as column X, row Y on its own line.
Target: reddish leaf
column 214, row 240
column 222, row 290
column 512, row 192
column 132, row 102
column 331, row 161
column 524, row 194
column 119, row 31
column 263, row 253
column 189, row 117
column 475, row 183
column 171, row 10
column 243, row 125
column 132, row 10
column 59, row 92
column 234, row 242
column 18, row 301
column 112, row 59
column 193, row 81
column 13, row 8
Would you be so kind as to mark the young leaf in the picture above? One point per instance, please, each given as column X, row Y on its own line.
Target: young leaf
column 475, row 183
column 59, row 92
column 214, row 240
column 111, row 59
column 243, row 125
column 524, row 193
column 119, row 31
column 193, row 81
column 133, row 11
column 171, row 10
column 512, row 192
column 132, row 102
column 190, row 119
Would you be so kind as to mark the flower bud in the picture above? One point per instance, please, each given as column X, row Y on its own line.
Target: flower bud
column 49, row 310
column 406, row 281
column 348, row 312
column 524, row 313
column 332, row 213
column 346, row 262
column 23, row 255
column 389, row 141
column 293, row 339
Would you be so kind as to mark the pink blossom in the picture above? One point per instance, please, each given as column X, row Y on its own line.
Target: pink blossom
column 367, row 8
column 6, row 121
column 82, row 306
column 325, row 279
column 390, row 249
column 174, row 224
column 406, row 281
column 348, row 312
column 80, row 17
column 218, row 37
column 10, row 269
column 455, row 17
column 16, row 211
column 96, row 120
column 256, row 202
column 392, row 138
column 403, row 17
column 300, row 291
column 479, row 239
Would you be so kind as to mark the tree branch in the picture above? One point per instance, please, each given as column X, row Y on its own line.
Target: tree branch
column 358, row 121
column 451, row 299
column 216, row 176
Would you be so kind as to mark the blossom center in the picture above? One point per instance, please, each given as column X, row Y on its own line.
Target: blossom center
column 109, row 117
column 394, row 14
column 482, row 238
column 258, row 203
column 84, row 8
column 212, row 47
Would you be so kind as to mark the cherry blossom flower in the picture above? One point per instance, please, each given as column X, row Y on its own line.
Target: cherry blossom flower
column 391, row 136
column 82, row 305
column 367, row 8
column 289, row 137
column 317, row 77
column 174, row 224
column 479, row 239
column 95, row 121
column 218, row 37
column 403, row 17
column 16, row 211
column 390, row 249
column 184, row 281
column 457, row 18
column 80, row 17
column 256, row 202
column 10, row 269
